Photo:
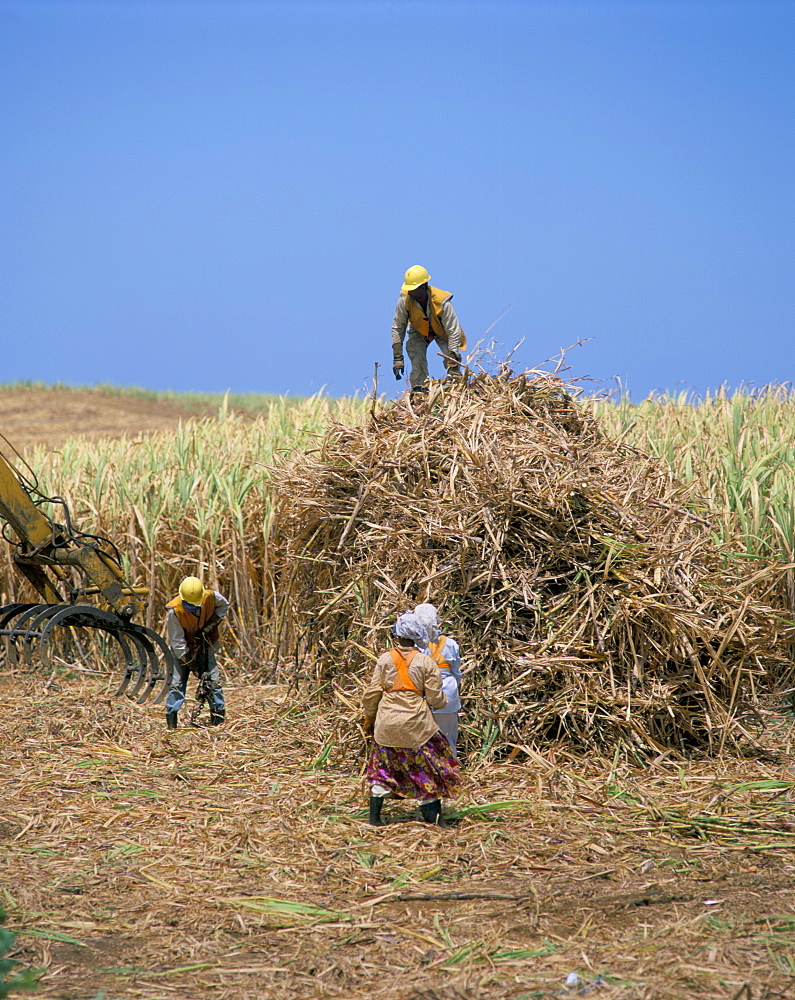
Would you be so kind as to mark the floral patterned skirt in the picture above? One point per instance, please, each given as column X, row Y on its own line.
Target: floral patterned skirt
column 430, row 771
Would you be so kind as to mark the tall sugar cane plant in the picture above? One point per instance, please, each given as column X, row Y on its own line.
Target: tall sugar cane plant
column 739, row 448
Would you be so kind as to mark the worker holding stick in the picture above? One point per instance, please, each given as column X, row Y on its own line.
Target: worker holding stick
column 428, row 314
column 192, row 629
column 410, row 757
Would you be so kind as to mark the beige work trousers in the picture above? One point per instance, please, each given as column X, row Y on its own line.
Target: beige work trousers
column 417, row 350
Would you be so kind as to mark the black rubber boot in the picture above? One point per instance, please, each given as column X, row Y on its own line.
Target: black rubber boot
column 376, row 801
column 432, row 813
column 171, row 720
column 217, row 718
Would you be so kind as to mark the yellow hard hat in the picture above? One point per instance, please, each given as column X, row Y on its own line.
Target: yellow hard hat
column 192, row 590
column 414, row 277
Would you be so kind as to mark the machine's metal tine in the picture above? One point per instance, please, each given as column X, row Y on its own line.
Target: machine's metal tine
column 60, row 619
column 34, row 630
column 141, row 635
column 171, row 664
column 101, row 620
column 129, row 663
column 143, row 648
column 146, row 657
column 168, row 658
column 8, row 630
column 153, row 666
column 87, row 616
column 7, row 612
column 17, row 631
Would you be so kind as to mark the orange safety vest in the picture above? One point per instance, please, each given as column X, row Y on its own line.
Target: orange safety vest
column 190, row 623
column 436, row 653
column 403, row 682
column 420, row 321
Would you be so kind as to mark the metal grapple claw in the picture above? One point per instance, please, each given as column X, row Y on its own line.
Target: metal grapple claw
column 65, row 566
column 34, row 632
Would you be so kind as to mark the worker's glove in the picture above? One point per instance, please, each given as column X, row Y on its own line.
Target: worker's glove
column 369, row 727
column 397, row 371
column 205, row 630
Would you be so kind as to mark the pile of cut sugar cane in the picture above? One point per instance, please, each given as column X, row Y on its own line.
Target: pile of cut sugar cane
column 584, row 584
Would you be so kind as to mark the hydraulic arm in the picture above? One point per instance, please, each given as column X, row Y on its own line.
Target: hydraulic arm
column 52, row 557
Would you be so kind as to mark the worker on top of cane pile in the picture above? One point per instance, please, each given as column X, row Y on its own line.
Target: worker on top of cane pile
column 429, row 315
column 193, row 631
column 410, row 757
column 446, row 654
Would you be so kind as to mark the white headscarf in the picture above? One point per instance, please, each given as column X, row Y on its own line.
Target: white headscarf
column 429, row 617
column 408, row 626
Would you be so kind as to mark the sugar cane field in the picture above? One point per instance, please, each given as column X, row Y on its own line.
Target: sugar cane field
column 620, row 578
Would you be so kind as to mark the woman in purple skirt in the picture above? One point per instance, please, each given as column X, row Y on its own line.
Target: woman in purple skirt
column 411, row 758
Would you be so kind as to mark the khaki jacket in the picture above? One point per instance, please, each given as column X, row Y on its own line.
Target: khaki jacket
column 404, row 718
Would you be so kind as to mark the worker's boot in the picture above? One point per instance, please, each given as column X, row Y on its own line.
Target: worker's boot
column 217, row 718
column 376, row 801
column 171, row 720
column 432, row 813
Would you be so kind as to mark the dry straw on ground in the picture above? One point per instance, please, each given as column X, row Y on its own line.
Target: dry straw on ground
column 236, row 863
column 582, row 581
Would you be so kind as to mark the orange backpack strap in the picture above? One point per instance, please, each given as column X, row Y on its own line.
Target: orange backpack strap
column 403, row 681
column 436, row 653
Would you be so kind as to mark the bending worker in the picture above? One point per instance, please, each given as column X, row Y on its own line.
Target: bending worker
column 429, row 316
column 192, row 625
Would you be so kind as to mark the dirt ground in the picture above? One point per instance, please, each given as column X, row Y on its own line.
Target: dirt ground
column 235, row 862
column 49, row 416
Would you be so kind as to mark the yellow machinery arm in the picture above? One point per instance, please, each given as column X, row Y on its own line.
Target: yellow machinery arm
column 43, row 552
column 45, row 544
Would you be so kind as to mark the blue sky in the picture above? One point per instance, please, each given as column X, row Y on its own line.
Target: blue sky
column 225, row 194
